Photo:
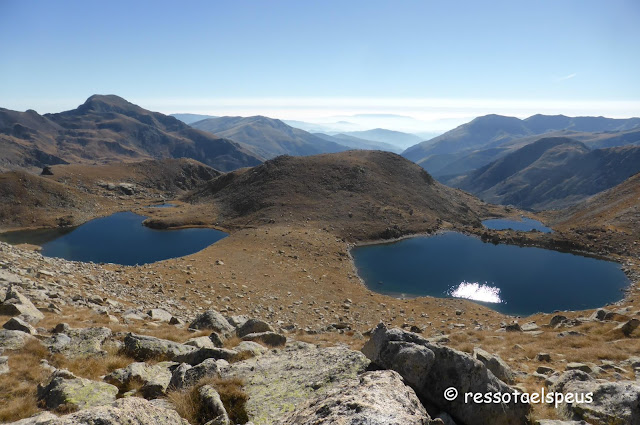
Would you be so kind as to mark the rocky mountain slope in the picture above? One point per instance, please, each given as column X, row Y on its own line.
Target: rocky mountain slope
column 364, row 192
column 71, row 194
column 551, row 173
column 107, row 129
column 268, row 137
column 490, row 137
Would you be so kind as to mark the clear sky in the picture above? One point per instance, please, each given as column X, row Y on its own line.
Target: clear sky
column 435, row 61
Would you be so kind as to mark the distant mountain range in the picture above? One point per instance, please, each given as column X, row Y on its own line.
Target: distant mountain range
column 191, row 118
column 490, row 137
column 268, row 137
column 551, row 173
column 391, row 137
column 358, row 143
column 106, row 129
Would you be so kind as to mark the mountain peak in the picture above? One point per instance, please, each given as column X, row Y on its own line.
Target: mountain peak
column 106, row 103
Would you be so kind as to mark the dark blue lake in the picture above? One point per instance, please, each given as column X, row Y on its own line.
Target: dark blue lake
column 525, row 225
column 507, row 278
column 119, row 238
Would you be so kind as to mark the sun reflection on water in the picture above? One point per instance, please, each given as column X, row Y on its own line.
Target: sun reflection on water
column 477, row 292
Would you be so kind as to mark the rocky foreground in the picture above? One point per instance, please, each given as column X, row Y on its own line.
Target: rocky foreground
column 71, row 359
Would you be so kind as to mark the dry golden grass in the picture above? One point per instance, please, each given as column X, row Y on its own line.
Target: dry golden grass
column 18, row 387
column 188, row 405
column 232, row 342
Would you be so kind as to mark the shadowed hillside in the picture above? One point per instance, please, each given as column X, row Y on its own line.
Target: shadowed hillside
column 367, row 193
column 107, row 129
column 551, row 173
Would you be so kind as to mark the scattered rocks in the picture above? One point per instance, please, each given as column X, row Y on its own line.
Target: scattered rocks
column 557, row 320
column 66, row 390
column 201, row 342
column 513, row 327
column 448, row 368
column 374, row 398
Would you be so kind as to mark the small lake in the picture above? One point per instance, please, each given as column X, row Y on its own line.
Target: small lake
column 119, row 238
column 506, row 278
column 525, row 225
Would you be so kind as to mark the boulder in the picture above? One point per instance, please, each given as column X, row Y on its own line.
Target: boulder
column 279, row 381
column 202, row 354
column 201, row 342
column 66, row 390
column 18, row 324
column 253, row 326
column 79, row 342
column 444, row 369
column 270, row 339
column 496, row 365
column 599, row 314
column 16, row 304
column 217, row 339
column 248, row 349
column 579, row 366
column 612, row 402
column 557, row 320
column 237, row 321
column 13, row 340
column 373, row 398
column 543, row 357
column 186, row 376
column 153, row 379
column 130, row 410
column 143, row 347
column 211, row 407
column 628, row 327
column 160, row 315
column 212, row 320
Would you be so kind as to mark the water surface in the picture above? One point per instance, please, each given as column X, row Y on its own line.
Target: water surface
column 525, row 225
column 119, row 238
column 508, row 278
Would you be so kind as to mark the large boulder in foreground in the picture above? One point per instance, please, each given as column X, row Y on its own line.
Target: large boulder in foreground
column 373, row 398
column 129, row 411
column 612, row 402
column 431, row 369
column 278, row 382
column 66, row 390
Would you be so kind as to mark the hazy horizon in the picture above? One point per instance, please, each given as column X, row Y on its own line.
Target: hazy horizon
column 441, row 64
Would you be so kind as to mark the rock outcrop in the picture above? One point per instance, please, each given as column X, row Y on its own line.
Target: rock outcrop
column 278, row 382
column 130, row 410
column 438, row 368
column 373, row 398
column 66, row 390
column 16, row 304
column 153, row 379
column 212, row 320
column 612, row 402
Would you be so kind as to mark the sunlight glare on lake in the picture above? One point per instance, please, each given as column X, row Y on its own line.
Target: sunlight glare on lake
column 477, row 292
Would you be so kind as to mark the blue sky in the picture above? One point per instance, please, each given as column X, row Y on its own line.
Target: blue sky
column 317, row 60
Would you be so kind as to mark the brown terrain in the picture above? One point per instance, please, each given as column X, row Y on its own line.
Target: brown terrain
column 292, row 222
